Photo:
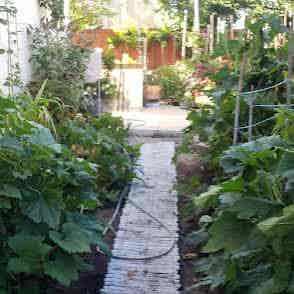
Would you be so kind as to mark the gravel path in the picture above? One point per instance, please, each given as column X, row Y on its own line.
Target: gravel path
column 142, row 236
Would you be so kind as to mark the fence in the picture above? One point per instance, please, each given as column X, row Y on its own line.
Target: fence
column 157, row 55
column 252, row 105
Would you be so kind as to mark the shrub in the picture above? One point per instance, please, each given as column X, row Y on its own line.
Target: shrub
column 56, row 59
column 172, row 83
column 43, row 189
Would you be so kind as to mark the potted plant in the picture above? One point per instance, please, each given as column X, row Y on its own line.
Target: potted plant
column 152, row 87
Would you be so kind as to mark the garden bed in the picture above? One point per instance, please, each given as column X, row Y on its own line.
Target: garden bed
column 92, row 282
column 189, row 253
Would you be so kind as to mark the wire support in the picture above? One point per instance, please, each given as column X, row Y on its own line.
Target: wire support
column 264, row 89
column 256, row 124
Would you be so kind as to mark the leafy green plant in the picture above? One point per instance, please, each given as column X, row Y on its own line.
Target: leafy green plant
column 108, row 58
column 85, row 14
column 109, row 89
column 257, row 197
column 128, row 37
column 160, row 36
column 102, row 141
column 172, row 80
column 214, row 123
column 43, row 189
column 56, row 59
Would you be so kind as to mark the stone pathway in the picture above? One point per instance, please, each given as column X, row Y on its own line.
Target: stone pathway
column 163, row 121
column 140, row 236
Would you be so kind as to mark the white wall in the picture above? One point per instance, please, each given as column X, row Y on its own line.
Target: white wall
column 130, row 81
column 28, row 14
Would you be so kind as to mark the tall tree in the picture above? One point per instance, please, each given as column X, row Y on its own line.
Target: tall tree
column 89, row 13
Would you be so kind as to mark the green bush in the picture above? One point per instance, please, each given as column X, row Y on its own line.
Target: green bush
column 172, row 83
column 257, row 197
column 56, row 168
column 102, row 141
column 43, row 190
column 63, row 64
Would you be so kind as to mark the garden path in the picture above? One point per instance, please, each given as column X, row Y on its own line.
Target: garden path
column 148, row 228
column 163, row 121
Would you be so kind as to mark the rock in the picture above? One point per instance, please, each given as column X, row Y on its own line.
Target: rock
column 188, row 166
column 199, row 147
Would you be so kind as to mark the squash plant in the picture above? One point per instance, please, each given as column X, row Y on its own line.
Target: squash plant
column 52, row 180
column 249, row 233
column 214, row 123
column 43, row 189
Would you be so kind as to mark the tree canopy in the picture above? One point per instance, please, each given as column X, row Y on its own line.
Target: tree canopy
column 222, row 8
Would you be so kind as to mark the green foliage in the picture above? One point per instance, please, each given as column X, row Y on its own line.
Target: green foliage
column 172, row 79
column 222, row 8
column 160, row 36
column 51, row 184
column 109, row 89
column 214, row 123
column 56, row 59
column 102, row 141
column 247, row 214
column 108, row 58
column 85, row 14
column 251, row 230
column 128, row 37
column 43, row 188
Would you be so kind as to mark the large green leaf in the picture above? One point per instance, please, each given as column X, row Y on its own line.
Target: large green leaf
column 72, row 238
column 208, row 199
column 26, row 265
column 42, row 136
column 250, row 153
column 286, row 169
column 42, row 212
column 225, row 233
column 31, row 253
column 280, row 225
column 29, row 246
column 255, row 208
column 10, row 191
column 65, row 268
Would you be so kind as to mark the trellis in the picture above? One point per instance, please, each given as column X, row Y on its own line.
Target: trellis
column 252, row 94
column 8, row 20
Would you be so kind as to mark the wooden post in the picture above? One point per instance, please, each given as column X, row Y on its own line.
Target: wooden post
column 162, row 54
column 237, row 107
column 290, row 60
column 196, row 24
column 232, row 35
column 184, row 36
column 208, row 38
column 250, row 120
column 212, row 33
column 145, row 53
column 174, row 44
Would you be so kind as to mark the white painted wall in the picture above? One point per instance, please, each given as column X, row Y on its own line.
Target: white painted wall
column 28, row 14
column 130, row 81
